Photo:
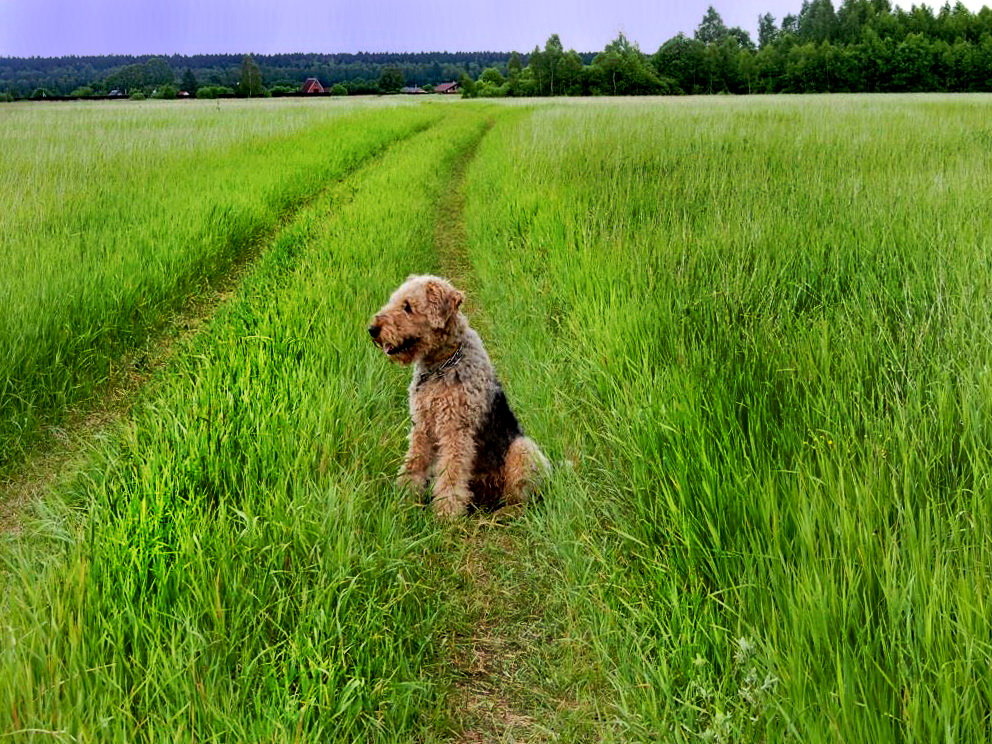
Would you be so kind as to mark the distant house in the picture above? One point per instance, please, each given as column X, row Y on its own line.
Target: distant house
column 312, row 85
column 447, row 88
column 412, row 90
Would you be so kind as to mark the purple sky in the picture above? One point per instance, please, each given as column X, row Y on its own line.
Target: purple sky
column 60, row 27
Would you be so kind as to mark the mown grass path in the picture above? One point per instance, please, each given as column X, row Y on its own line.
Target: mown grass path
column 64, row 447
column 484, row 649
column 505, row 644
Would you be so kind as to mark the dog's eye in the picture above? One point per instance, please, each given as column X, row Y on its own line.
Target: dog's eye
column 406, row 308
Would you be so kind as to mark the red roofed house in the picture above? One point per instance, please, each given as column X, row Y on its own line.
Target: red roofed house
column 447, row 88
column 312, row 85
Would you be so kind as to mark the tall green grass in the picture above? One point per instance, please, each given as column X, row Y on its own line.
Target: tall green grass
column 235, row 564
column 752, row 334
column 115, row 215
column 755, row 337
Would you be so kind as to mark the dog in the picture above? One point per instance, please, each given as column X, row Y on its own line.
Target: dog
column 465, row 440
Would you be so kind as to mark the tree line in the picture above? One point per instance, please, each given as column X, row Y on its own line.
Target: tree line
column 357, row 73
column 860, row 46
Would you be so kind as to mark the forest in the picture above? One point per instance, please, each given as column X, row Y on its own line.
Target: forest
column 860, row 46
column 359, row 73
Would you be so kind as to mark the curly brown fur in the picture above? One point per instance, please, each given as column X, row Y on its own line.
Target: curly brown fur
column 465, row 439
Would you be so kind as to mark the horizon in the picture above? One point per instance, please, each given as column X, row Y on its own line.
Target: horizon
column 99, row 28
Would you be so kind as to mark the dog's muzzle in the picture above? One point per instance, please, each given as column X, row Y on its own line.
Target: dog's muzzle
column 407, row 345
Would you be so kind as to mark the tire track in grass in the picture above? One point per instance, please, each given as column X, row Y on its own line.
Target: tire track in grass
column 499, row 602
column 65, row 447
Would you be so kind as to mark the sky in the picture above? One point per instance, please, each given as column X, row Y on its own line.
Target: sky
column 52, row 28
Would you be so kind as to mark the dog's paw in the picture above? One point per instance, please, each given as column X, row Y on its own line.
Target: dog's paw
column 412, row 482
column 451, row 504
column 445, row 509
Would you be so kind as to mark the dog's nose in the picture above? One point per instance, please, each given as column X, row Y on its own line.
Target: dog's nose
column 374, row 331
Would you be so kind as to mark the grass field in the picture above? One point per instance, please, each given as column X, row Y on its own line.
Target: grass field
column 115, row 215
column 752, row 334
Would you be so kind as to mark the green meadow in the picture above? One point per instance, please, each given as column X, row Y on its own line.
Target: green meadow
column 113, row 216
column 753, row 335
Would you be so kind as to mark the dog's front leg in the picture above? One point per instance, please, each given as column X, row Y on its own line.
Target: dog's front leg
column 456, row 452
column 419, row 456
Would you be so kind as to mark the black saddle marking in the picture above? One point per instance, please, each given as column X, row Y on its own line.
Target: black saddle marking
column 492, row 441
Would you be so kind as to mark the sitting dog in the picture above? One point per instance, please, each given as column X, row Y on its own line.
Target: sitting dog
column 464, row 436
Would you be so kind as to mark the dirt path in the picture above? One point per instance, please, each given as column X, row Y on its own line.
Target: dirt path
column 494, row 699
column 63, row 448
column 450, row 237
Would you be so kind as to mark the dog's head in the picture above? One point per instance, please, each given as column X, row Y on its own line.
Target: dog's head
column 421, row 316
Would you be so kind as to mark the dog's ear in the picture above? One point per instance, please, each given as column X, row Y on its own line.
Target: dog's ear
column 443, row 301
